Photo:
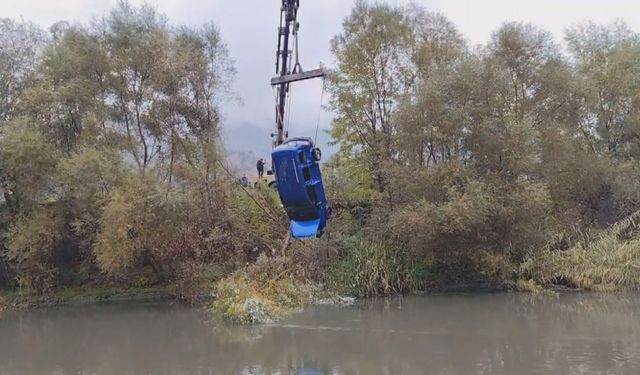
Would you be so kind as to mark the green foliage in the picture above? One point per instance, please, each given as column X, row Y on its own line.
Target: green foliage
column 466, row 160
column 20, row 43
column 27, row 164
column 112, row 139
column 140, row 225
column 32, row 247
column 374, row 268
column 608, row 262
column 481, row 157
column 372, row 69
column 87, row 179
column 261, row 231
column 607, row 60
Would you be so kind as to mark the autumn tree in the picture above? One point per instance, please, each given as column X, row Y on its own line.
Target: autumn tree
column 20, row 45
column 374, row 69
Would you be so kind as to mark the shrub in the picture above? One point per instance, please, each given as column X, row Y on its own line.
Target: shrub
column 263, row 292
column 257, row 229
column 140, row 225
column 27, row 163
column 33, row 241
column 372, row 268
column 610, row 262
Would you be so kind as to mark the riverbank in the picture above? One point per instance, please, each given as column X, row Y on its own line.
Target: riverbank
column 314, row 295
column 14, row 300
column 272, row 287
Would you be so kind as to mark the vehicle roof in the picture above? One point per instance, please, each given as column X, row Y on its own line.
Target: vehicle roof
column 289, row 145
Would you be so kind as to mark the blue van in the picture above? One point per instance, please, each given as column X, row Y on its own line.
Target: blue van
column 299, row 182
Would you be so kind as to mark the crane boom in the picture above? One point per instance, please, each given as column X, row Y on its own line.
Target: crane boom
column 289, row 26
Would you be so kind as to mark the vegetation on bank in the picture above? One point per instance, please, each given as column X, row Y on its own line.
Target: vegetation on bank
column 610, row 261
column 374, row 268
column 509, row 162
column 261, row 293
column 17, row 300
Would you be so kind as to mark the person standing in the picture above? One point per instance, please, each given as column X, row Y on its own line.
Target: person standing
column 260, row 166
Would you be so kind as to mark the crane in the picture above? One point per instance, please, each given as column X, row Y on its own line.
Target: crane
column 289, row 28
column 296, row 160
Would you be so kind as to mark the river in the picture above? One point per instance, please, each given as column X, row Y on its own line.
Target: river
column 443, row 334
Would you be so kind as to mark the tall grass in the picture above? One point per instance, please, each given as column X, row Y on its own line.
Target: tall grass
column 373, row 268
column 609, row 262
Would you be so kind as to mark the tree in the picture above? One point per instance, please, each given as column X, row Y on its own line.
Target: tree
column 28, row 163
column 118, row 119
column 607, row 61
column 34, row 241
column 139, row 227
column 20, row 44
column 524, row 51
column 70, row 91
column 374, row 69
column 137, row 42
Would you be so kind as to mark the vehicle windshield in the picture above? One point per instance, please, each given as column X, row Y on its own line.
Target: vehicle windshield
column 302, row 213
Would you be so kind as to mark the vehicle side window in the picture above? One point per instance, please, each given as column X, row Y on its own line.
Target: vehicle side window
column 312, row 194
column 283, row 169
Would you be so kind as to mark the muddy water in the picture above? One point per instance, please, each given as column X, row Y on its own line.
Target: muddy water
column 452, row 334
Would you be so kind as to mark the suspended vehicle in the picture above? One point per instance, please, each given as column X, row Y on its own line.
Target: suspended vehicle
column 300, row 186
column 296, row 160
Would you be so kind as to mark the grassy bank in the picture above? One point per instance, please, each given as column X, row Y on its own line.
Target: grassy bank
column 608, row 261
column 272, row 287
column 372, row 268
column 608, row 264
column 13, row 299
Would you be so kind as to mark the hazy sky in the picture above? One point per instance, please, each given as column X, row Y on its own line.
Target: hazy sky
column 250, row 29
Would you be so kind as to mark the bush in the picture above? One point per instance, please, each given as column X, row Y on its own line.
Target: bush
column 263, row 292
column 31, row 249
column 606, row 264
column 139, row 227
column 610, row 262
column 373, row 268
column 28, row 162
column 468, row 268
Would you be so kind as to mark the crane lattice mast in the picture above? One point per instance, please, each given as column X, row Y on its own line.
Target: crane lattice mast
column 289, row 27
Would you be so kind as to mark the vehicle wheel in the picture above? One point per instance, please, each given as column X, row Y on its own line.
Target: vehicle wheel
column 273, row 185
column 317, row 154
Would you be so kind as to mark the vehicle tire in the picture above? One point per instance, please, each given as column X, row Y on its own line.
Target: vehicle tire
column 317, row 154
column 273, row 185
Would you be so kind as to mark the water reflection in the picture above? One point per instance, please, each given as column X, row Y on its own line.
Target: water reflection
column 453, row 334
